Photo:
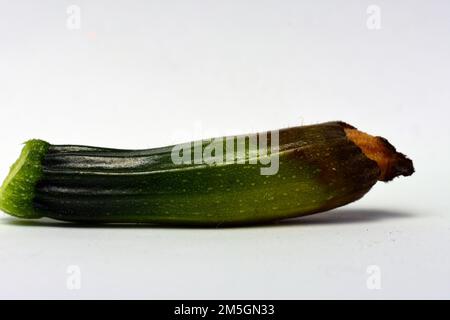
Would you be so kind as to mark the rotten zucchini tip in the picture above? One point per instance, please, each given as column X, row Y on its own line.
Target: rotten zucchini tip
column 392, row 163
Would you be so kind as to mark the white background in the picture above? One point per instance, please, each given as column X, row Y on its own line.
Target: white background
column 141, row 74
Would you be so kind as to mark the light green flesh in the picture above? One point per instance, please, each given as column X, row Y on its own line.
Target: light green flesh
column 18, row 189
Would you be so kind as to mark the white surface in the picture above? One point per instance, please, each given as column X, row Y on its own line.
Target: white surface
column 170, row 71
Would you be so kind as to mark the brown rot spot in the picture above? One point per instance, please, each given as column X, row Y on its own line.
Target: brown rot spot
column 391, row 163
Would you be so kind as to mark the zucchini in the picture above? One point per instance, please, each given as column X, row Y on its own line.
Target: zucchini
column 320, row 167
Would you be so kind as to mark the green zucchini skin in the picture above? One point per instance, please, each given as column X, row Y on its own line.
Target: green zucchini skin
column 319, row 169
